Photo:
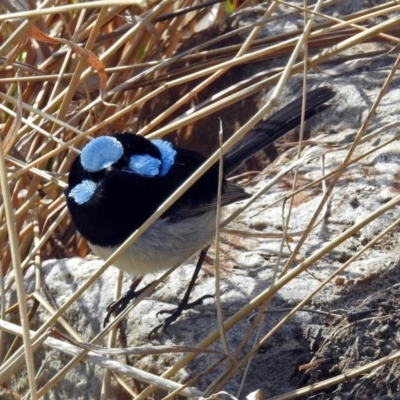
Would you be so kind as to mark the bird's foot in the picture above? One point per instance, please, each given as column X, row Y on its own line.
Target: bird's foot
column 117, row 306
column 176, row 313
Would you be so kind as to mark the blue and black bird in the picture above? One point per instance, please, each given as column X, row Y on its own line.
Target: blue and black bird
column 118, row 182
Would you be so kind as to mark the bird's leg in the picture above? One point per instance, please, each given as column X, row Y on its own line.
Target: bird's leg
column 119, row 305
column 184, row 304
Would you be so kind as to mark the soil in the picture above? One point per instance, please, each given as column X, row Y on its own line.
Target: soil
column 367, row 330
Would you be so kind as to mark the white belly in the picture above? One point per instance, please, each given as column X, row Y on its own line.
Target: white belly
column 164, row 245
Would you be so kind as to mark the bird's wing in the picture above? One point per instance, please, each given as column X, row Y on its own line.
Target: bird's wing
column 231, row 194
column 275, row 126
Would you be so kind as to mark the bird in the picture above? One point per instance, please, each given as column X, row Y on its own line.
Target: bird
column 118, row 181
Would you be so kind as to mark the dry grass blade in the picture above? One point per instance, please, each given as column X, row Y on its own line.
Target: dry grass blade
column 105, row 362
column 16, row 258
column 340, row 378
column 10, row 134
column 143, row 350
column 220, row 317
column 106, row 384
column 72, row 71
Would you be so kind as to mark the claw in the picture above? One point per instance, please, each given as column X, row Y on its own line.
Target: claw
column 175, row 314
column 164, row 325
column 119, row 305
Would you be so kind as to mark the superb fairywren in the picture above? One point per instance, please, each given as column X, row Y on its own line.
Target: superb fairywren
column 118, row 181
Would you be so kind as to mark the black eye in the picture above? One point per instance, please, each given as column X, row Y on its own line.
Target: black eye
column 122, row 163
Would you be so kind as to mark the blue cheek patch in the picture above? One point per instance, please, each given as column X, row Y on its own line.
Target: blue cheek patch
column 168, row 154
column 144, row 165
column 101, row 153
column 83, row 192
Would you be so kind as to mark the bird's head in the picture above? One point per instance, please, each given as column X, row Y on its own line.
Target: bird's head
column 122, row 153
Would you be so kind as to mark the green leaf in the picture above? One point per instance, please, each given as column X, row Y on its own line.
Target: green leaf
column 229, row 6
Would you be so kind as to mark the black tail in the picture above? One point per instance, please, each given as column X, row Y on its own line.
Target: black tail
column 276, row 126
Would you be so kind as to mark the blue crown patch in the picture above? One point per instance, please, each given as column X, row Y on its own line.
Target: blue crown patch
column 144, row 165
column 83, row 192
column 168, row 154
column 101, row 153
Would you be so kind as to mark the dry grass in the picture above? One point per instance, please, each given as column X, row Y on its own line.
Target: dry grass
column 95, row 68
